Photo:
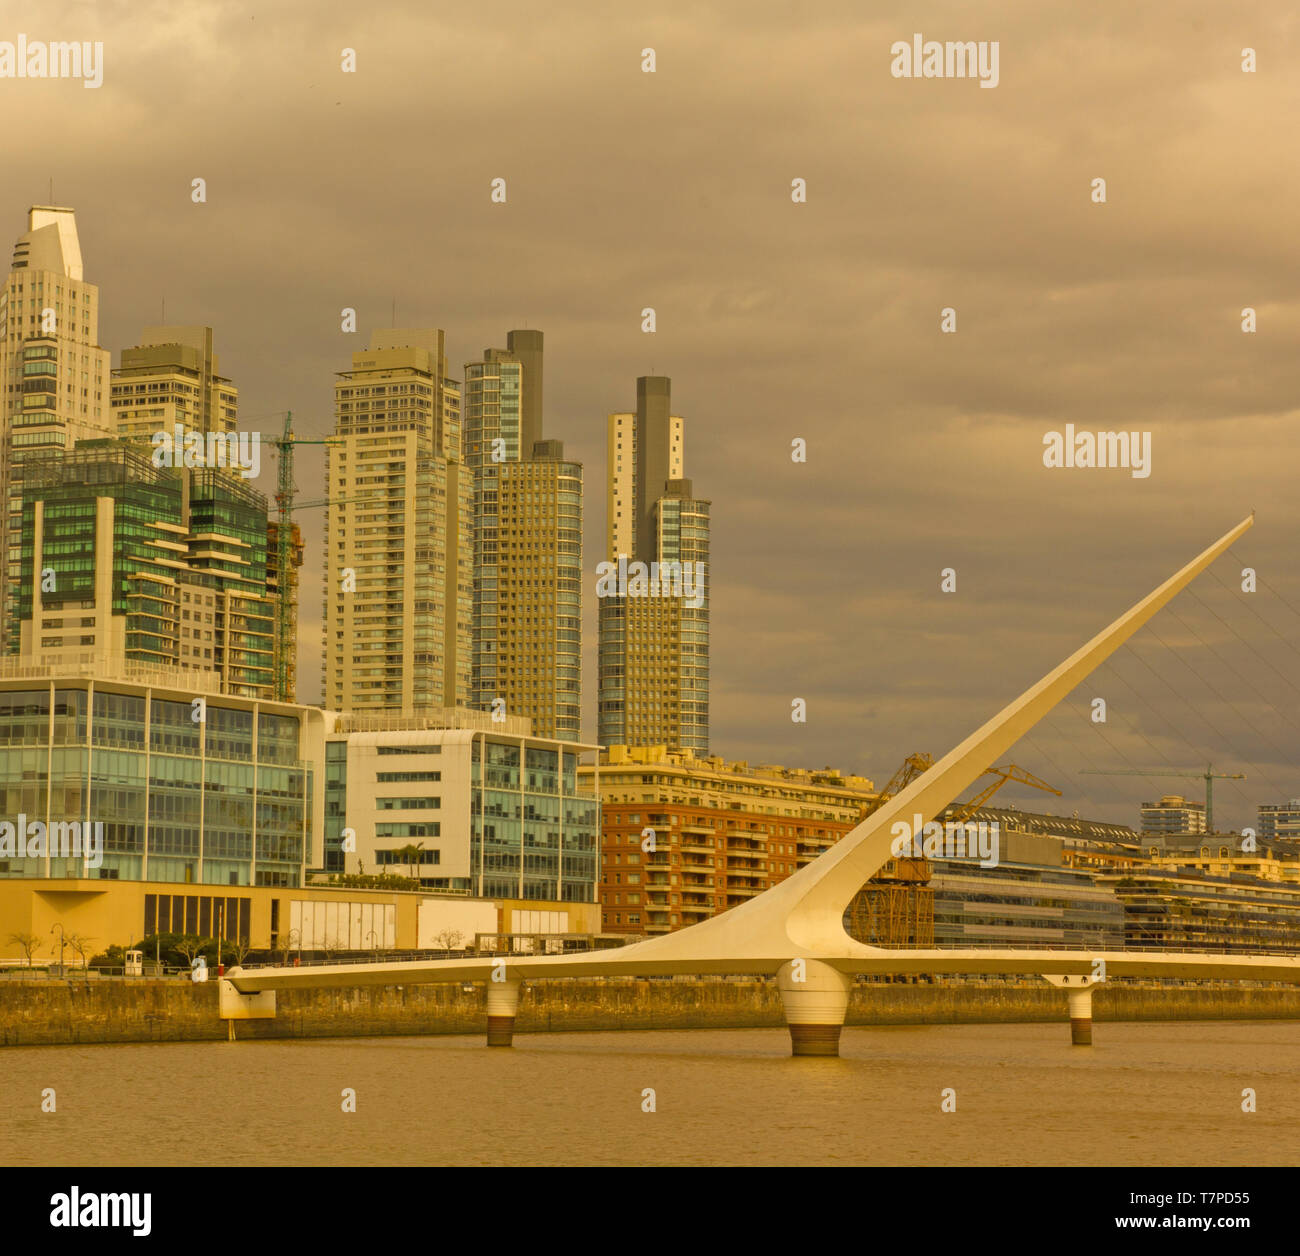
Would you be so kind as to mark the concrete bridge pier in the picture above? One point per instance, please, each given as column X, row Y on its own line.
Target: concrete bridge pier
column 815, row 998
column 1078, row 990
column 502, row 1005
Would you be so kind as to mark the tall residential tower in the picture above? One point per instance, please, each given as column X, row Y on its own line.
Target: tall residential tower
column 654, row 641
column 54, row 375
column 398, row 539
column 527, row 545
column 171, row 378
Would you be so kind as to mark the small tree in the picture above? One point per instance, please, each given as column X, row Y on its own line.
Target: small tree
column 79, row 944
column 448, row 940
column 28, row 942
column 111, row 957
column 288, row 943
column 190, row 947
column 412, row 855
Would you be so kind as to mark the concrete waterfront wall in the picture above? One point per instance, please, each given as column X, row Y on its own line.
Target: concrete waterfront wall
column 34, row 1013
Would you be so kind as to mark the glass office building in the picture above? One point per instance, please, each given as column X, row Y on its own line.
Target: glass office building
column 532, row 835
column 465, row 809
column 203, row 789
column 1028, row 898
column 125, row 561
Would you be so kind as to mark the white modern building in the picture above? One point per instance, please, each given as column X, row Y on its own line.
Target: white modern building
column 53, row 372
column 467, row 804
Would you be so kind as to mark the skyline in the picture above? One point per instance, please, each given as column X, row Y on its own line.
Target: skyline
column 825, row 576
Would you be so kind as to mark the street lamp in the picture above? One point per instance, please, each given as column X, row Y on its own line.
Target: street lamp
column 59, row 927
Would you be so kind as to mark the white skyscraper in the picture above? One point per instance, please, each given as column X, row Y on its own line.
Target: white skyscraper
column 54, row 374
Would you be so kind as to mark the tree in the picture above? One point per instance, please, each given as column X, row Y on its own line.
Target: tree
column 79, row 944
column 111, row 957
column 288, row 943
column 412, row 855
column 448, row 940
column 373, row 881
column 189, row 946
column 28, row 942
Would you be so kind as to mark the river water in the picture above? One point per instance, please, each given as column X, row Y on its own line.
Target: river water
column 1144, row 1094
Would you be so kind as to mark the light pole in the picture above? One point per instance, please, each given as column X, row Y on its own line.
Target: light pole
column 59, row 927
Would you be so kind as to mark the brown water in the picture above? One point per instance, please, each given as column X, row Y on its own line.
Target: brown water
column 1145, row 1094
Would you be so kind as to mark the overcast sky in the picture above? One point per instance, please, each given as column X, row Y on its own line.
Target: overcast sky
column 778, row 320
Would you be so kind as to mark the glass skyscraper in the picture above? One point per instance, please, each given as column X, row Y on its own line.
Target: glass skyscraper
column 527, row 545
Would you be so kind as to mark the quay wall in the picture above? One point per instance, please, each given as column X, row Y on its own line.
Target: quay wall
column 41, row 1012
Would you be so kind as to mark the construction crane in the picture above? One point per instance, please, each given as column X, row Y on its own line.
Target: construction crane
column 284, row 500
column 1209, row 776
column 896, row 907
column 912, row 767
column 1009, row 773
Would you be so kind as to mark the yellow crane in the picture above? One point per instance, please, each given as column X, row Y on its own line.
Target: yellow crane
column 1009, row 773
column 896, row 907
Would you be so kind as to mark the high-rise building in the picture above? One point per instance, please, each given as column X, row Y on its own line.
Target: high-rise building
column 126, row 562
column 1279, row 820
column 1173, row 814
column 399, row 532
column 54, row 375
column 527, row 545
column 654, row 630
column 171, row 379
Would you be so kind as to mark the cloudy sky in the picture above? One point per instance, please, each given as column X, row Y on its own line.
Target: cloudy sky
column 779, row 320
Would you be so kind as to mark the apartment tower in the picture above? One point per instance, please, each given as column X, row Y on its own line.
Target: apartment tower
column 399, row 535
column 54, row 374
column 126, row 562
column 171, row 379
column 527, row 637
column 654, row 641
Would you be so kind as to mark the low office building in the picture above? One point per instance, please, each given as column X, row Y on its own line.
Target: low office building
column 1030, row 898
column 1225, row 855
column 133, row 802
column 310, row 921
column 1184, row 909
column 467, row 803
column 189, row 785
column 722, row 832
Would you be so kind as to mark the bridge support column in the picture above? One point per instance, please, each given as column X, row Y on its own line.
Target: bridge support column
column 1078, row 990
column 502, row 1005
column 815, row 998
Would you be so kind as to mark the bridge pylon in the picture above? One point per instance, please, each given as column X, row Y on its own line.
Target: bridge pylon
column 815, row 998
column 502, row 1007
